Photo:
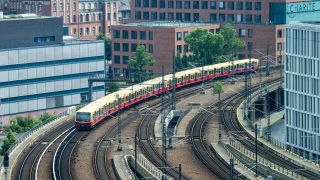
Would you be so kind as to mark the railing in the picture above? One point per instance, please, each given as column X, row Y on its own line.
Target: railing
column 35, row 129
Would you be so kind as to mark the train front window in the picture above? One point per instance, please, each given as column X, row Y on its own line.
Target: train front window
column 83, row 117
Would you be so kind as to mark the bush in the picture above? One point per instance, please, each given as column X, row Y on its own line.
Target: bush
column 10, row 139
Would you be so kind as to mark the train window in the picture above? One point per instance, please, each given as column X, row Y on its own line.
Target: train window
column 214, row 71
column 83, row 117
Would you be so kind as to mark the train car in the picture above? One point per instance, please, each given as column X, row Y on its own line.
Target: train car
column 93, row 113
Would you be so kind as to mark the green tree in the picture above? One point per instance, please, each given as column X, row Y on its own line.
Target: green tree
column 138, row 63
column 107, row 45
column 232, row 44
column 112, row 87
column 205, row 46
column 218, row 89
column 7, row 142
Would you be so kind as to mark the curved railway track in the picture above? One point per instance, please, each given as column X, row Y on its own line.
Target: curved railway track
column 63, row 156
column 28, row 165
column 231, row 123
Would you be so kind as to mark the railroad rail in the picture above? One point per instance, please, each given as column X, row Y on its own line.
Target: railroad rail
column 61, row 164
column 231, row 123
column 28, row 167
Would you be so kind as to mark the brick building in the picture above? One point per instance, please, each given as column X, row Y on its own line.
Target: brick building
column 260, row 22
column 159, row 38
column 83, row 19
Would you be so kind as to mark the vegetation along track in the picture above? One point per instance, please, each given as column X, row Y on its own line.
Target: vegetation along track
column 231, row 124
column 27, row 168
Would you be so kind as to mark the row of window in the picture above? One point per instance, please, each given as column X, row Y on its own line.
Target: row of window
column 302, row 120
column 302, row 102
column 179, row 16
column 88, row 17
column 302, row 84
column 302, row 42
column 86, row 31
column 126, row 47
column 187, row 4
column 303, row 139
column 302, row 65
column 45, row 39
column 133, row 34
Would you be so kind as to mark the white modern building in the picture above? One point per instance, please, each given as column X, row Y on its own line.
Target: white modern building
column 302, row 89
column 45, row 77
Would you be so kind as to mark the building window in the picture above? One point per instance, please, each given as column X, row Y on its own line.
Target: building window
column 187, row 17
column 222, row 5
column 137, row 3
column 179, row 36
column 204, row 4
column 143, row 35
column 133, row 47
column 87, row 17
column 46, row 39
column 279, row 33
column 93, row 30
column 125, row 47
column 179, row 48
column 279, row 58
column 162, row 4
column 116, row 59
column 178, row 4
column 179, row 16
column 257, row 18
column 125, row 59
column 213, row 5
column 230, row 18
column 116, row 46
column 242, row 32
column 170, row 4
column 116, row 34
column 248, row 5
column 257, row 6
column 248, row 18
column 150, row 35
column 195, row 5
column 213, row 17
column 222, row 17
column 170, row 16
column 133, row 34
column 187, row 4
column 125, row 34
column 185, row 34
column 74, row 30
column 146, row 15
column 239, row 18
column 87, row 31
column 74, row 18
column 81, row 18
column 196, row 17
column 146, row 3
column 279, row 46
column 154, row 16
column 249, row 46
column 162, row 16
column 81, row 32
column 250, row 33
column 138, row 15
column 150, row 48
column 230, row 5
column 239, row 5
column 154, row 3
column 185, row 48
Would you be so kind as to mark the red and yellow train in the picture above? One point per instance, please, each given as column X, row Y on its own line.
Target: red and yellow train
column 93, row 113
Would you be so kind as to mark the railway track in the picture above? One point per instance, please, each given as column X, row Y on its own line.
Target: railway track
column 231, row 124
column 29, row 163
column 62, row 159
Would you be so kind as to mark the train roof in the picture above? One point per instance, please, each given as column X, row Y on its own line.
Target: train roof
column 97, row 104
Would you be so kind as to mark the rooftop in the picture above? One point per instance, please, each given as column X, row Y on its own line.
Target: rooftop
column 165, row 24
column 12, row 17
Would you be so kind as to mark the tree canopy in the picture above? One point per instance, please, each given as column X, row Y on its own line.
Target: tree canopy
column 107, row 45
column 208, row 48
column 138, row 63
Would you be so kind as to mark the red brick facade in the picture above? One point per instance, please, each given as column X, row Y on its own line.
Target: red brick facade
column 249, row 17
column 160, row 39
